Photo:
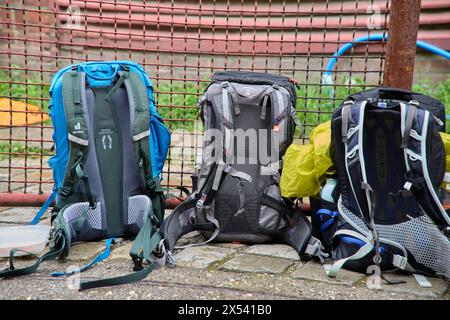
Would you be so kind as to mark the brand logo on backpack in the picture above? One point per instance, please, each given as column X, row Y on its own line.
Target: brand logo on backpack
column 77, row 128
column 247, row 92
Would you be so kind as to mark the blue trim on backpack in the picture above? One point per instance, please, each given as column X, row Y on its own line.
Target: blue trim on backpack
column 357, row 242
column 332, row 214
column 102, row 256
column 101, row 74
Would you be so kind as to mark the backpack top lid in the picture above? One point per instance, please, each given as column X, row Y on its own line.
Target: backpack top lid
column 102, row 74
column 389, row 94
column 256, row 78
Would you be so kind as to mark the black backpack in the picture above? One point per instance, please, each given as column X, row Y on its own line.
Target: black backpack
column 236, row 190
column 390, row 161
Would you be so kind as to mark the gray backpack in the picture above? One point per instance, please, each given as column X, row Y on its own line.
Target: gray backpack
column 249, row 120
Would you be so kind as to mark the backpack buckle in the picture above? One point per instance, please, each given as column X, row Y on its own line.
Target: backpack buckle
column 151, row 185
column 65, row 191
column 399, row 261
column 414, row 103
column 200, row 202
column 154, row 219
column 137, row 261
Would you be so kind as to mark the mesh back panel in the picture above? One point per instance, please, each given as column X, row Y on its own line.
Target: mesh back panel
column 74, row 211
column 91, row 166
column 138, row 207
column 131, row 178
column 420, row 236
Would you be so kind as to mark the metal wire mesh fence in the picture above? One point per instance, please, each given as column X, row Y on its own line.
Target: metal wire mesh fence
column 180, row 44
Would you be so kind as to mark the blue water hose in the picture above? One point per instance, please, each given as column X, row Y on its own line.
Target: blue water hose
column 327, row 78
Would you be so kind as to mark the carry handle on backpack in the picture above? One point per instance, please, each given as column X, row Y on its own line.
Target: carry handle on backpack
column 402, row 94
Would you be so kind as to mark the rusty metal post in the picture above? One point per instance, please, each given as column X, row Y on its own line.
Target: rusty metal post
column 401, row 49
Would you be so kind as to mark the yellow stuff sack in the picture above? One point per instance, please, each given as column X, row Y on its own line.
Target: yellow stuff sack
column 320, row 138
column 298, row 178
column 446, row 139
column 305, row 165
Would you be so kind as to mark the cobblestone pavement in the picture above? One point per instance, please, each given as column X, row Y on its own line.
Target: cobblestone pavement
column 216, row 271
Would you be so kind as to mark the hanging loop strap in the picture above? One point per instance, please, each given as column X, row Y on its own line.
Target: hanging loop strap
column 122, row 77
column 265, row 101
column 59, row 245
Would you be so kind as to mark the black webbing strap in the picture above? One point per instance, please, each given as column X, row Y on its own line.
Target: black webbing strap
column 234, row 99
column 265, row 101
column 411, row 114
column 123, row 75
column 145, row 244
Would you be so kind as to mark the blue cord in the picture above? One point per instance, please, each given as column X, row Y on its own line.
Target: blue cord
column 375, row 37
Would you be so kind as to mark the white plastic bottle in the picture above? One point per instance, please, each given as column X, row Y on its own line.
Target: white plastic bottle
column 327, row 190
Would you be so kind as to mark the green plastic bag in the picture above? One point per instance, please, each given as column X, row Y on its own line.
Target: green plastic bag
column 305, row 165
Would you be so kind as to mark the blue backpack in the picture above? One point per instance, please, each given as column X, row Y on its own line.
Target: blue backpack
column 111, row 145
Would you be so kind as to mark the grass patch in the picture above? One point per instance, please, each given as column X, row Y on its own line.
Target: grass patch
column 17, row 147
column 27, row 88
column 177, row 101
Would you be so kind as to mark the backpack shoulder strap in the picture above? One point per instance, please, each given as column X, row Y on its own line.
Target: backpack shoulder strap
column 74, row 100
column 281, row 115
column 352, row 116
column 415, row 126
column 140, row 124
